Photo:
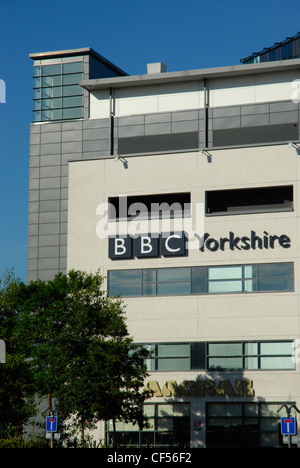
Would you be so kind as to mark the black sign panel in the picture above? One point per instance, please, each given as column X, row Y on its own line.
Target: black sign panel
column 174, row 244
column 120, row 247
column 147, row 245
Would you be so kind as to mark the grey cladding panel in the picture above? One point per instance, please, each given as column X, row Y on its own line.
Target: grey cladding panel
column 157, row 143
column 255, row 135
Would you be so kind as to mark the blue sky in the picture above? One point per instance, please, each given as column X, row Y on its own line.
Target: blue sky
column 184, row 34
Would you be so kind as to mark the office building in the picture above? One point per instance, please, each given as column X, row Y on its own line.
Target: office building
column 287, row 49
column 183, row 188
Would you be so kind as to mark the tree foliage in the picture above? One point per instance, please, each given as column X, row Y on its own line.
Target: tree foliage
column 17, row 390
column 76, row 340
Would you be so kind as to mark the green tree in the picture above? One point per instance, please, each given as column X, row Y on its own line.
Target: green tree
column 81, row 352
column 17, row 391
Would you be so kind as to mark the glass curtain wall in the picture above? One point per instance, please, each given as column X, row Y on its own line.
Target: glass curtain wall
column 57, row 94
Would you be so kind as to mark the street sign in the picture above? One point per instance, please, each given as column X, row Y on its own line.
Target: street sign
column 288, row 426
column 51, row 424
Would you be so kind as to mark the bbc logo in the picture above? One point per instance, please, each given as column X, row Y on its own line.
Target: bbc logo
column 148, row 245
column 2, row 352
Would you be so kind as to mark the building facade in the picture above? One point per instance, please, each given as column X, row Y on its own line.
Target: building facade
column 183, row 189
column 287, row 49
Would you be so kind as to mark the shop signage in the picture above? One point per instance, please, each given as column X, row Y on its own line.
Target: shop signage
column 177, row 244
column 201, row 388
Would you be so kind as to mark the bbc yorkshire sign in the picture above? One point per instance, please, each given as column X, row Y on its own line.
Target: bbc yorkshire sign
column 177, row 244
column 201, row 388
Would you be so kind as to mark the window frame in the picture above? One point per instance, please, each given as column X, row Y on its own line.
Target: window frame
column 203, row 287
column 207, row 356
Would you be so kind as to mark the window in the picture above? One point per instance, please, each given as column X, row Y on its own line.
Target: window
column 253, row 200
column 251, row 355
column 243, row 425
column 169, row 427
column 225, row 279
column 57, row 94
column 220, row 356
column 167, row 205
column 169, row 356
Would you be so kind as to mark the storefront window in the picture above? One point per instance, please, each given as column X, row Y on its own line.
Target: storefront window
column 169, row 427
column 242, row 425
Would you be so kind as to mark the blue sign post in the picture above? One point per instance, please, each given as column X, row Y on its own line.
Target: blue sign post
column 288, row 426
column 51, row 424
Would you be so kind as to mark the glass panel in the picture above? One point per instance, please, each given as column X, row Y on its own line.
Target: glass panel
column 227, row 272
column 121, row 426
column 37, row 116
column 251, row 349
column 164, row 410
column 36, row 94
column 268, row 410
column 51, row 92
column 276, row 269
column 250, row 285
column 277, row 363
column 36, row 105
column 181, row 409
column 72, row 78
column 73, row 113
column 251, row 363
column 72, row 101
column 225, row 286
column 165, row 424
column 225, row 349
column 72, row 90
column 51, row 70
column 37, row 82
column 174, row 274
column 149, row 410
column 250, row 271
column 51, row 114
column 51, row 81
column 269, row 424
column 173, row 364
column 150, row 363
column 151, row 422
column 125, row 290
column 73, row 67
column 198, row 280
column 269, row 440
column 234, row 409
column 51, row 103
column 131, row 276
column 149, row 289
column 216, row 409
column 251, row 409
column 149, row 275
column 276, row 284
column 277, row 348
column 164, row 350
column 225, row 363
column 37, row 71
column 165, row 289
